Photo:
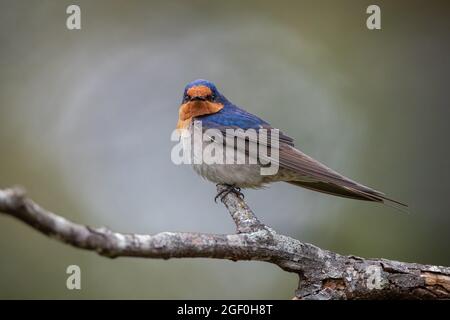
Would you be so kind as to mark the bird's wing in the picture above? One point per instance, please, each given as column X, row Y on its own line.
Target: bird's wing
column 239, row 119
column 321, row 178
column 312, row 174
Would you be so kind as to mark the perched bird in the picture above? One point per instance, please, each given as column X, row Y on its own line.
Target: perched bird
column 203, row 103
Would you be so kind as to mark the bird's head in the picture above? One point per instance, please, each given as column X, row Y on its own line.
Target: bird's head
column 200, row 97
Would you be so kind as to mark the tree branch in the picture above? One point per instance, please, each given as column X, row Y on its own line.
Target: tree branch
column 323, row 274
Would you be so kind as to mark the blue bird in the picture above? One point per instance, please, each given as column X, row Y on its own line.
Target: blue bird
column 203, row 103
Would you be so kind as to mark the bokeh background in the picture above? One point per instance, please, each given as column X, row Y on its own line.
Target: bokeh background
column 86, row 118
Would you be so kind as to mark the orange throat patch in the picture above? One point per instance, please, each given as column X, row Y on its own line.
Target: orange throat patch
column 194, row 109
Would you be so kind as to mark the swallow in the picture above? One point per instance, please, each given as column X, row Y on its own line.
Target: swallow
column 202, row 102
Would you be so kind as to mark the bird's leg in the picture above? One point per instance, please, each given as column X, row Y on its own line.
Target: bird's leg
column 229, row 188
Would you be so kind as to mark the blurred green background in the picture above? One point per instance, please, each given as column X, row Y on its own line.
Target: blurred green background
column 86, row 118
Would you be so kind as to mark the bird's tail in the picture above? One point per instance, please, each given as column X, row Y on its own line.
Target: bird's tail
column 358, row 192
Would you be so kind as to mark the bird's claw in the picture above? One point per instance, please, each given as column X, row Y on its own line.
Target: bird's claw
column 229, row 189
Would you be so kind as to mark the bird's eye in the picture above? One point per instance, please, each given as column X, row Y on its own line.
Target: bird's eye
column 212, row 97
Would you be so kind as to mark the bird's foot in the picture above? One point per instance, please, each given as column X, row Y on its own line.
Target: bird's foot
column 229, row 189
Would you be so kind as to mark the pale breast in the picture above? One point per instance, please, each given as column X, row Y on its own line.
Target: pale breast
column 241, row 175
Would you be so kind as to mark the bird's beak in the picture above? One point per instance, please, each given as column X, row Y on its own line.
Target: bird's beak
column 197, row 98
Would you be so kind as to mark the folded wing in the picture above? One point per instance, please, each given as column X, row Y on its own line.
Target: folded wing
column 311, row 173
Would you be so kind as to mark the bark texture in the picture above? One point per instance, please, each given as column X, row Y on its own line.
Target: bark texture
column 322, row 274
